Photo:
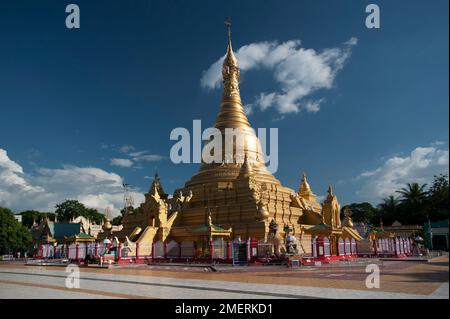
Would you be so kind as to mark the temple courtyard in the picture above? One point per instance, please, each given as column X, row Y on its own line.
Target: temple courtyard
column 398, row 279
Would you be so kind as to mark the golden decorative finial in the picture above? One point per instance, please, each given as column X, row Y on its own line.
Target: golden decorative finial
column 347, row 217
column 228, row 25
column 246, row 169
column 209, row 217
column 305, row 189
column 330, row 190
column 232, row 112
column 346, row 211
column 107, row 226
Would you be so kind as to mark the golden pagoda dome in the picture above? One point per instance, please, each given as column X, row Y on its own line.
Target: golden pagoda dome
column 107, row 226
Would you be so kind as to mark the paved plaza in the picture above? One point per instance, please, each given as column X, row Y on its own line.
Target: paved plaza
column 399, row 279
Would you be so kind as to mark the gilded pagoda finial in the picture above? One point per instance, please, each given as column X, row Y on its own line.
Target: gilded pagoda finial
column 347, row 217
column 304, row 186
column 232, row 113
column 209, row 217
column 228, row 26
column 330, row 190
column 230, row 70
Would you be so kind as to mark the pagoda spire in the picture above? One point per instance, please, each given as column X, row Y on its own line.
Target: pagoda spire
column 305, row 189
column 235, row 128
column 246, row 169
column 330, row 191
column 231, row 110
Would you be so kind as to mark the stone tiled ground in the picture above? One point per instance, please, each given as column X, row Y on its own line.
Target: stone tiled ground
column 399, row 279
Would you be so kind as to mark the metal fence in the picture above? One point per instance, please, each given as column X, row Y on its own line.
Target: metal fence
column 265, row 249
column 71, row 251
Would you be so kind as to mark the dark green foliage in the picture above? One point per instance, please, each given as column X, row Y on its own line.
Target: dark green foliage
column 415, row 205
column 117, row 220
column 72, row 208
column 31, row 216
column 14, row 236
column 438, row 203
column 362, row 212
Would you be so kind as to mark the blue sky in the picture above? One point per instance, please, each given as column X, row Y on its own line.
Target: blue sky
column 72, row 101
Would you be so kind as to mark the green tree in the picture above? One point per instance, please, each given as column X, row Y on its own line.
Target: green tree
column 413, row 200
column 117, row 220
column 31, row 216
column 362, row 212
column 438, row 198
column 14, row 236
column 70, row 209
column 388, row 210
column 413, row 194
column 93, row 215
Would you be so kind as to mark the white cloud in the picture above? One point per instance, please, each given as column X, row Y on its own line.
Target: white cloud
column 437, row 143
column 145, row 156
column 121, row 162
column 297, row 71
column 248, row 109
column 264, row 100
column 352, row 41
column 42, row 190
column 12, row 177
column 313, row 106
column 419, row 166
column 126, row 148
column 134, row 157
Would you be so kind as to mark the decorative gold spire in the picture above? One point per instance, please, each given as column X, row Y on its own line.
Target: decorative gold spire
column 244, row 139
column 230, row 59
column 305, row 189
column 231, row 111
column 246, row 168
column 209, row 218
column 156, row 187
column 330, row 191
column 107, row 226
column 347, row 217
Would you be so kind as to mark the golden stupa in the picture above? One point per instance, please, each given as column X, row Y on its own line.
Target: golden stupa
column 235, row 199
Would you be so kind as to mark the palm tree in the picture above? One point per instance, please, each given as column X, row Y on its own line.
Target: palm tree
column 388, row 208
column 389, row 204
column 414, row 194
column 413, row 199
